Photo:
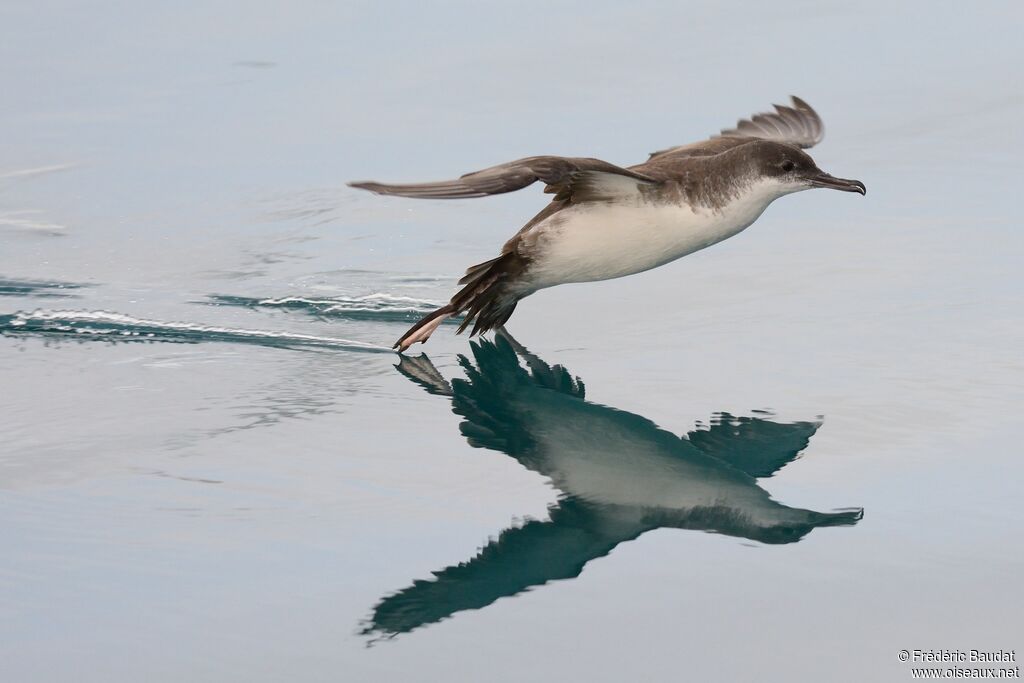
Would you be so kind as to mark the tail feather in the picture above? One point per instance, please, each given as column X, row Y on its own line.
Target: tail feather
column 485, row 298
column 475, row 272
column 488, row 314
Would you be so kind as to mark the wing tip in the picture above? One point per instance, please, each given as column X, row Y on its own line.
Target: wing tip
column 419, row 191
column 368, row 185
column 818, row 132
column 801, row 103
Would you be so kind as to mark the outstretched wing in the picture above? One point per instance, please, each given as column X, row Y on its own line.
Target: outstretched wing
column 567, row 177
column 798, row 125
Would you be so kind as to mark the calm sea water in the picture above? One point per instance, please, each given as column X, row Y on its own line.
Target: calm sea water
column 784, row 458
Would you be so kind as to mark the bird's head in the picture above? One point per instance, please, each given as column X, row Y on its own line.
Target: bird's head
column 794, row 169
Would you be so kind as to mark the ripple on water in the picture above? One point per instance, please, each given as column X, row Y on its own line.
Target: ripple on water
column 372, row 307
column 37, row 288
column 117, row 327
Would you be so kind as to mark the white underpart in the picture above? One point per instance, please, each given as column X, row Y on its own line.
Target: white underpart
column 622, row 460
column 609, row 239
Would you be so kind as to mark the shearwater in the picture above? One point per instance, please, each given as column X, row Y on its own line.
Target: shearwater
column 606, row 221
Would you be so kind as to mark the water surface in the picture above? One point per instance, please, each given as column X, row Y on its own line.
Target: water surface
column 784, row 458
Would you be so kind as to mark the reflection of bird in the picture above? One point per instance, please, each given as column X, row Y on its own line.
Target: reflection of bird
column 620, row 475
column 606, row 221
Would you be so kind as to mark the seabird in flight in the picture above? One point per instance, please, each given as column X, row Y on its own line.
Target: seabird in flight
column 606, row 221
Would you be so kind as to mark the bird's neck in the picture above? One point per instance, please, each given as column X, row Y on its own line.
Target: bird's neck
column 746, row 201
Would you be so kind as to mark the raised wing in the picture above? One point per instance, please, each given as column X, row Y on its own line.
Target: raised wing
column 798, row 125
column 575, row 178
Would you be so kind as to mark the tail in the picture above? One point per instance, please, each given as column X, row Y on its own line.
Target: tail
column 485, row 299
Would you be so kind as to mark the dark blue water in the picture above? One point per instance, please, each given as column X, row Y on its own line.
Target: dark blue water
column 784, row 458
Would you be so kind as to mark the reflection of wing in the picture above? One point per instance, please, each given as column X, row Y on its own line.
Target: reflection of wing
column 520, row 558
column 751, row 444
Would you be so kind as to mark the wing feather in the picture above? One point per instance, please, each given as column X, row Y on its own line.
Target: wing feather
column 798, row 125
column 561, row 175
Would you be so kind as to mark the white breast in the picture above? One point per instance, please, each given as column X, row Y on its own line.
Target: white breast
column 604, row 240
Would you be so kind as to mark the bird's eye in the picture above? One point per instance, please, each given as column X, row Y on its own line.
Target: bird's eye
column 788, row 165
